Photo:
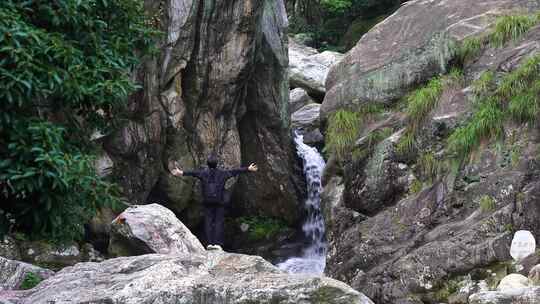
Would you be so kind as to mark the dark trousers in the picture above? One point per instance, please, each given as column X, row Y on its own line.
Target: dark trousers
column 213, row 224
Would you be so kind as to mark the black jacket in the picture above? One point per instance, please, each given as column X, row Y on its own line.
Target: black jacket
column 218, row 176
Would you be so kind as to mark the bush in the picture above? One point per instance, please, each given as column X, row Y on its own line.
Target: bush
column 64, row 73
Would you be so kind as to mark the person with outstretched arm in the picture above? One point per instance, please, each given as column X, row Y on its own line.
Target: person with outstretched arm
column 213, row 182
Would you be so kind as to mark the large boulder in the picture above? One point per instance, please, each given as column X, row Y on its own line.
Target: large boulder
column 187, row 274
column 14, row 273
column 414, row 44
column 298, row 98
column 215, row 277
column 151, row 229
column 306, row 118
column 308, row 68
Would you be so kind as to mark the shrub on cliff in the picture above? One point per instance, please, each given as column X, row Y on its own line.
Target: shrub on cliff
column 64, row 74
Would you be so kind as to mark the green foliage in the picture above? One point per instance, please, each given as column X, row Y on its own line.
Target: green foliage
column 416, row 186
column 423, row 100
column 470, row 48
column 328, row 21
column 30, row 281
column 487, row 203
column 508, row 28
column 406, row 144
column 516, row 97
column 485, row 123
column 342, row 132
column 524, row 108
column 51, row 186
column 67, row 62
column 428, row 165
column 337, row 5
column 484, row 84
column 262, row 228
column 522, row 80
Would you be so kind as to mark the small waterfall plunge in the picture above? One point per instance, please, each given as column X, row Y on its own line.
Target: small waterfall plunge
column 313, row 259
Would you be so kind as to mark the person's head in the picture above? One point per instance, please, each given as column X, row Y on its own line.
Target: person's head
column 212, row 161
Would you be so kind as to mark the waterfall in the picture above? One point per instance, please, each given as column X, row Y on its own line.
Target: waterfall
column 313, row 258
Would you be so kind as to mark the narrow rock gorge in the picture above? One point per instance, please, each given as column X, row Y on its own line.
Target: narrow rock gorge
column 218, row 85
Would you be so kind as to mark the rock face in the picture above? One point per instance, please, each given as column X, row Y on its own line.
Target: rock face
column 298, row 98
column 403, row 225
column 306, row 118
column 13, row 273
column 216, row 277
column 151, row 229
column 414, row 44
column 218, row 85
column 187, row 275
column 308, row 68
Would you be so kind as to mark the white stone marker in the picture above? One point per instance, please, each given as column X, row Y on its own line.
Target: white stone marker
column 523, row 244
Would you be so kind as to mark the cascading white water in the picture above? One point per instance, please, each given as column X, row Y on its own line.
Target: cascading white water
column 313, row 259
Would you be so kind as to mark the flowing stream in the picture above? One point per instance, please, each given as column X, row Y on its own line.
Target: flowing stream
column 313, row 258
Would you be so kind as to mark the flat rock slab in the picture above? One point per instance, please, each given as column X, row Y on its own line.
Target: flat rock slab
column 214, row 277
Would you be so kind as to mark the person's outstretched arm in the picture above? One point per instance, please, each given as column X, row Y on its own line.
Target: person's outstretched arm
column 235, row 172
column 178, row 172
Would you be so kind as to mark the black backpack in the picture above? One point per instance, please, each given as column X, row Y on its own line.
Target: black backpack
column 213, row 193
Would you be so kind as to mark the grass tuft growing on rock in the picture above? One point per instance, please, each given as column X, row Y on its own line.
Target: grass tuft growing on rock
column 343, row 129
column 423, row 100
column 485, row 123
column 510, row 28
column 487, row 203
column 406, row 144
column 485, row 84
column 516, row 98
column 470, row 48
column 506, row 28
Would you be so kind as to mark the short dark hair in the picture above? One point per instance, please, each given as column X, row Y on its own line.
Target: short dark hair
column 212, row 161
